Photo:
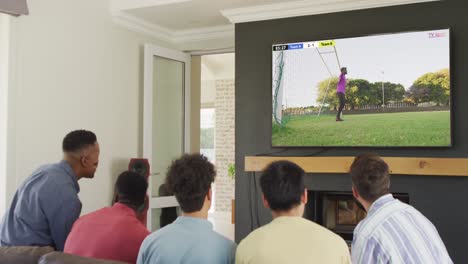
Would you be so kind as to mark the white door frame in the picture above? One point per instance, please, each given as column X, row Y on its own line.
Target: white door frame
column 149, row 52
column 5, row 57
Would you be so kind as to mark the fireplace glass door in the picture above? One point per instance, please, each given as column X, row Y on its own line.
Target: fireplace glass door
column 338, row 211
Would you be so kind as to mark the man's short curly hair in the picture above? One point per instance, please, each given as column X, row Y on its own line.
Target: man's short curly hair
column 189, row 178
column 78, row 140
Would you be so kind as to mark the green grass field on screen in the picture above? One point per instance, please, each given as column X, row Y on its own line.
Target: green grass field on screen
column 377, row 130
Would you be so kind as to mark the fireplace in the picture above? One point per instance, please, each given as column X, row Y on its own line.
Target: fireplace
column 338, row 211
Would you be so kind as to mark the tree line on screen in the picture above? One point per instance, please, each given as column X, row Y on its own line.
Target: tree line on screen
column 433, row 87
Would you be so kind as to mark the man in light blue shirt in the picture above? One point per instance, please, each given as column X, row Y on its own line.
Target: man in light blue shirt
column 46, row 205
column 190, row 239
column 392, row 232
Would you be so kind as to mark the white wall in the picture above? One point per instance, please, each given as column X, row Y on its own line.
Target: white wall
column 224, row 142
column 75, row 69
column 4, row 48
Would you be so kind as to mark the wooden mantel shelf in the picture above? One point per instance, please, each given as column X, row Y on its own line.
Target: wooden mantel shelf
column 398, row 165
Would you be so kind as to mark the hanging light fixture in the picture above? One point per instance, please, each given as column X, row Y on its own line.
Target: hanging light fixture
column 14, row 7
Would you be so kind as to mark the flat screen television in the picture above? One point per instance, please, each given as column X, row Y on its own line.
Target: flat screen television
column 391, row 90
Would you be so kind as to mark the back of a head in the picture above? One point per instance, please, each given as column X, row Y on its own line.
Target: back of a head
column 131, row 188
column 282, row 184
column 189, row 178
column 78, row 140
column 370, row 176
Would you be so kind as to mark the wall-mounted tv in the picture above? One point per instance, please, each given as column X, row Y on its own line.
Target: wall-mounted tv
column 391, row 90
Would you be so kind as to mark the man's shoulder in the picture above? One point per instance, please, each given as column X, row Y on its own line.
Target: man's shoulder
column 133, row 230
column 257, row 236
column 45, row 181
column 306, row 231
column 175, row 235
column 301, row 225
column 377, row 223
column 107, row 221
column 98, row 214
column 318, row 231
column 50, row 173
column 42, row 173
column 138, row 229
column 50, row 168
column 166, row 232
column 224, row 247
column 56, row 169
column 85, row 222
column 218, row 238
column 173, row 231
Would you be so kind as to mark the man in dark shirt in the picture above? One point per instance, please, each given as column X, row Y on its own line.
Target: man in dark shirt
column 46, row 205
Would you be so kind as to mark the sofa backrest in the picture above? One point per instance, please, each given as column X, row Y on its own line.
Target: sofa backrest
column 23, row 255
column 62, row 258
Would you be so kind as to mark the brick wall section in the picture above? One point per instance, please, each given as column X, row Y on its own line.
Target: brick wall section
column 224, row 142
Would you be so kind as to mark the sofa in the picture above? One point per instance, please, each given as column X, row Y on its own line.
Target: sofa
column 44, row 255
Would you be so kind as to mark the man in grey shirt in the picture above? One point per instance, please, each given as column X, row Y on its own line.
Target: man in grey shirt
column 46, row 205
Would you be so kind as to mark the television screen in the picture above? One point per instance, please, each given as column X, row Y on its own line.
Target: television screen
column 388, row 90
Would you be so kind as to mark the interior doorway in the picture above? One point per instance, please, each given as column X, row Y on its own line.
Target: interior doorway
column 217, row 122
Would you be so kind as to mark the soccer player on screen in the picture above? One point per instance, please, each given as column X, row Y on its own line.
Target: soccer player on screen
column 340, row 92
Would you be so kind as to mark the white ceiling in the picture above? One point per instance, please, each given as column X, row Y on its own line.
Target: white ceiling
column 219, row 66
column 208, row 24
column 196, row 13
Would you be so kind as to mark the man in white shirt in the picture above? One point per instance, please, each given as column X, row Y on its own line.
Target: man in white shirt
column 392, row 232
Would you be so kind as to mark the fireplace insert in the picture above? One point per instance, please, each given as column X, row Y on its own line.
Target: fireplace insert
column 338, row 211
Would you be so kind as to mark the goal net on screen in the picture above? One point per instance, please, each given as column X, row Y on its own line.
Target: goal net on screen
column 296, row 75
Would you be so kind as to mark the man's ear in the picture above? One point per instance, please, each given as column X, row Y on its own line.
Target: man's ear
column 209, row 195
column 84, row 157
column 265, row 202
column 304, row 197
column 83, row 161
column 355, row 192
